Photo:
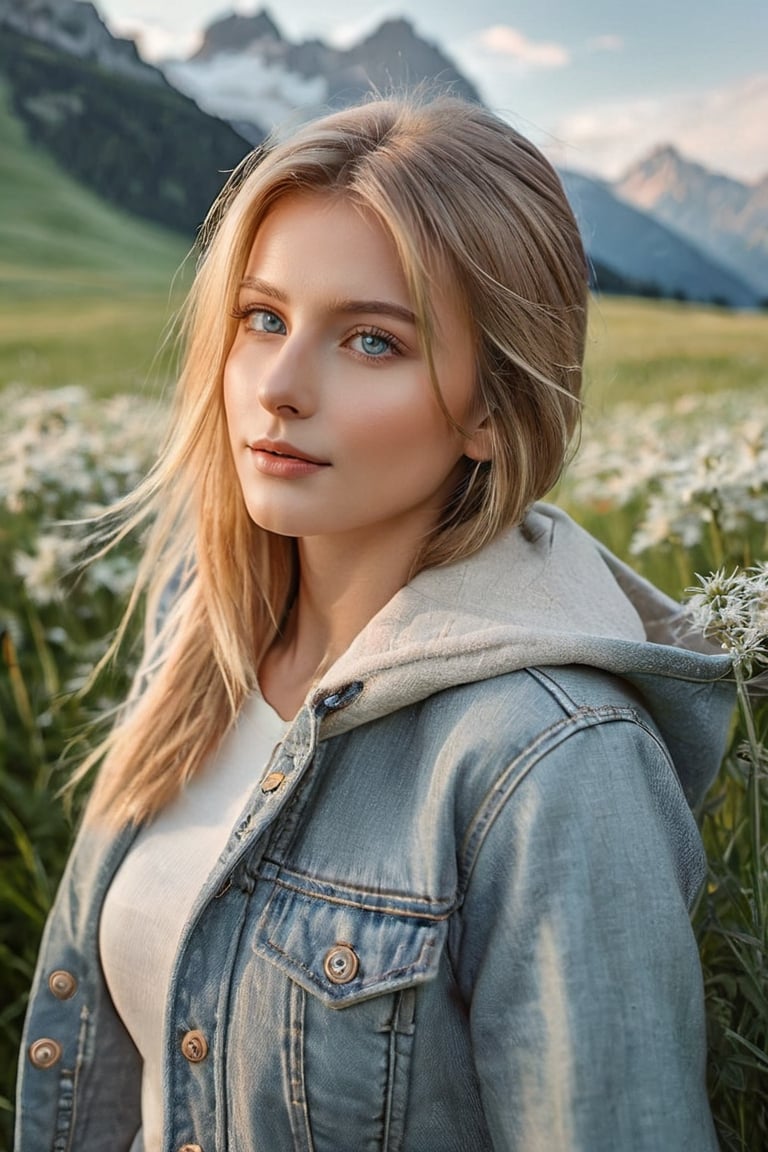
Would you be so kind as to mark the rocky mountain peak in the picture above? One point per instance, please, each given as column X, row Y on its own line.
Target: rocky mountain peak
column 725, row 217
column 75, row 26
column 237, row 33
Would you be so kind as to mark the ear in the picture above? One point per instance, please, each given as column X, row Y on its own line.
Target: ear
column 479, row 445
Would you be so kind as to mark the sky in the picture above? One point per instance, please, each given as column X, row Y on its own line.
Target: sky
column 597, row 84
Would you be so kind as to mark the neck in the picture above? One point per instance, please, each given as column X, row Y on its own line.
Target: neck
column 341, row 588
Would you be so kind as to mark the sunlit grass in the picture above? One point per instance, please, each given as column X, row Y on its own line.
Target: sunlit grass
column 647, row 350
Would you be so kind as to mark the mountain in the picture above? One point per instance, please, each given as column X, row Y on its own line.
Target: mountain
column 59, row 237
column 74, row 26
column 248, row 73
column 123, row 132
column 121, row 128
column 640, row 248
column 726, row 218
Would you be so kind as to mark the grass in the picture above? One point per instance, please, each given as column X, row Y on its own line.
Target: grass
column 650, row 350
column 86, row 291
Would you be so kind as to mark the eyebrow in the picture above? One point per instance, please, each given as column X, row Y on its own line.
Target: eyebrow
column 343, row 306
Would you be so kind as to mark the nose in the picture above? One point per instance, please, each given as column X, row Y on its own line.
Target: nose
column 286, row 381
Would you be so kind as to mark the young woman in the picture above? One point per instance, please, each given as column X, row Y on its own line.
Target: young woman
column 392, row 846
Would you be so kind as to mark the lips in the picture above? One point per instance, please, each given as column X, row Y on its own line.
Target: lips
column 282, row 450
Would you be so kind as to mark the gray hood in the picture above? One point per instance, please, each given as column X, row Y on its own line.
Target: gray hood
column 545, row 593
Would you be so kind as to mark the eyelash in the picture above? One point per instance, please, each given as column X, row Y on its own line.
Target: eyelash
column 396, row 347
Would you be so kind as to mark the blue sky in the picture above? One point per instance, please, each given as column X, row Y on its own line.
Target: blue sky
column 596, row 83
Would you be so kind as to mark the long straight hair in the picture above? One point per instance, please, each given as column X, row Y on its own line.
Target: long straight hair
column 461, row 192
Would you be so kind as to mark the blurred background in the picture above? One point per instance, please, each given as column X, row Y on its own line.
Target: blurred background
column 118, row 125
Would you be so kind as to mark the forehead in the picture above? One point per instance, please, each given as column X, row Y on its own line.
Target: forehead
column 329, row 240
column 323, row 227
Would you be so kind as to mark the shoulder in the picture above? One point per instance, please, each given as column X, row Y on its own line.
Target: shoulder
column 523, row 715
column 568, row 754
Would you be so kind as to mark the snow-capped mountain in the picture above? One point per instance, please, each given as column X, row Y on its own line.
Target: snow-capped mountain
column 247, row 72
column 725, row 217
column 668, row 227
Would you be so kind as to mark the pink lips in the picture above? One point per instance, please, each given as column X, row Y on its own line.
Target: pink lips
column 278, row 458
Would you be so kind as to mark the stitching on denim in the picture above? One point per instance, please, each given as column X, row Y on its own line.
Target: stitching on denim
column 515, row 772
column 297, row 1093
column 270, row 869
column 339, row 901
column 68, row 1083
column 358, row 986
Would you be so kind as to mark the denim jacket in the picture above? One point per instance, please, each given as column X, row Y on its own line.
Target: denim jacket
column 454, row 914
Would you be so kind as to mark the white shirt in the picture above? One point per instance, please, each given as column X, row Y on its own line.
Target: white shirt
column 156, row 886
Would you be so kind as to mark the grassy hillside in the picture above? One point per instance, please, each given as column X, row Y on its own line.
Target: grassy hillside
column 143, row 147
column 85, row 290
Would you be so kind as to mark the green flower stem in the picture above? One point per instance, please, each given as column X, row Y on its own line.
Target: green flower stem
column 755, row 800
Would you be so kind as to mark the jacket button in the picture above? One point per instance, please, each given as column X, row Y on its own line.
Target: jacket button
column 190, row 1148
column 341, row 964
column 62, row 984
column 45, row 1053
column 272, row 782
column 195, row 1047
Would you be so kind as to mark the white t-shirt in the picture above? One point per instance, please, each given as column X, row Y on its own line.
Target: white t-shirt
column 156, row 886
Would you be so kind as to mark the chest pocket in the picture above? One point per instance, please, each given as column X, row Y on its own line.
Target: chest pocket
column 343, row 969
column 345, row 946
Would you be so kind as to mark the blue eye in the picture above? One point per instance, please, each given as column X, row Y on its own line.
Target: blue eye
column 373, row 345
column 262, row 320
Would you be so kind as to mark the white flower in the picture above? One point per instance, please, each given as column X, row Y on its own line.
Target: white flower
column 42, row 571
column 733, row 609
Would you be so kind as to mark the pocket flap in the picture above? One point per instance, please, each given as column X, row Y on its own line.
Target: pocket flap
column 344, row 952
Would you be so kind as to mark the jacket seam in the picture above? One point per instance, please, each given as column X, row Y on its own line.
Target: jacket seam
column 523, row 764
column 390, row 910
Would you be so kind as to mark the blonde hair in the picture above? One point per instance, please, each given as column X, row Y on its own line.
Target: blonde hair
column 461, row 192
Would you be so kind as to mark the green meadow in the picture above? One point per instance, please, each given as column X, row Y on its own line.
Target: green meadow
column 86, row 292
column 642, row 351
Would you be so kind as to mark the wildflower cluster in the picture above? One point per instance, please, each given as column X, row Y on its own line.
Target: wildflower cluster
column 694, row 473
column 63, row 457
column 733, row 610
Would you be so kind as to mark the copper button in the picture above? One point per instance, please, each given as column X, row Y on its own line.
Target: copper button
column 194, row 1046
column 341, row 964
column 190, row 1148
column 62, row 984
column 272, row 782
column 45, row 1053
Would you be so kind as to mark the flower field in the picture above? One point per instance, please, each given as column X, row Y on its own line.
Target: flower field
column 679, row 487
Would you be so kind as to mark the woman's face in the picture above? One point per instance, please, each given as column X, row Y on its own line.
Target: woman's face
column 334, row 425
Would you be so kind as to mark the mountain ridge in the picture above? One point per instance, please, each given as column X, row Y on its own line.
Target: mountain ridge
column 151, row 150
column 247, row 72
column 727, row 218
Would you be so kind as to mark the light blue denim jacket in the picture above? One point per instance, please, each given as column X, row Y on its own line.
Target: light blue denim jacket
column 457, row 920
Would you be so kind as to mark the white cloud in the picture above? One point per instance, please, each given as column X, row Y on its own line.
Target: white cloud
column 722, row 128
column 512, row 45
column 156, row 41
column 610, row 42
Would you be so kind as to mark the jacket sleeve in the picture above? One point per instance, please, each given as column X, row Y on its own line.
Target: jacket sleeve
column 576, row 955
